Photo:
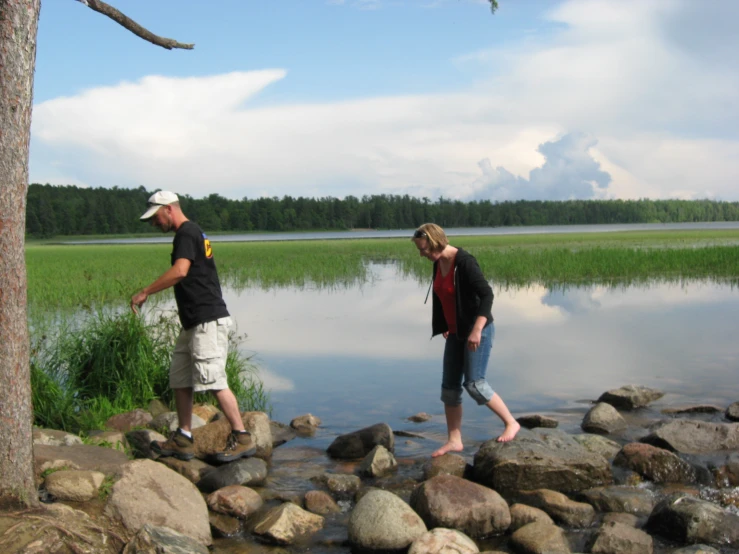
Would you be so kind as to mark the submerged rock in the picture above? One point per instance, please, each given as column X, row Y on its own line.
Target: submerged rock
column 630, row 397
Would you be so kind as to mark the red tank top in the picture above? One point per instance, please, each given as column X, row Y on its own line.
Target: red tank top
column 444, row 289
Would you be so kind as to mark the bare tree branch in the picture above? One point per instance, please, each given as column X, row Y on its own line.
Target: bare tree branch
column 125, row 21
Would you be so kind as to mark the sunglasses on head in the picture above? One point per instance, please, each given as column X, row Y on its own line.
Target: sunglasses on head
column 420, row 235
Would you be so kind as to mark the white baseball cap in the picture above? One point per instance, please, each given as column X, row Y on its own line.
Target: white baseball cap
column 157, row 200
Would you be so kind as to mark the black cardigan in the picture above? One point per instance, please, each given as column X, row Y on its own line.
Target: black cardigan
column 473, row 292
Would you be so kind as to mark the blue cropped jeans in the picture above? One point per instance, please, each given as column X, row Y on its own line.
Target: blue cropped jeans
column 465, row 368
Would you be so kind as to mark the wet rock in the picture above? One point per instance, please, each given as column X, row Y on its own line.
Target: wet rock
column 455, row 503
column 359, row 443
column 695, row 437
column 286, row 523
column 281, row 433
column 632, row 500
column 443, row 541
column 521, row 515
column 687, row 519
column 655, row 464
column 207, row 412
column 320, row 503
column 696, row 549
column 616, row 538
column 420, row 417
column 561, row 508
column 148, row 491
column 377, row 463
column 732, row 412
column 74, row 485
column 140, row 442
column 211, row 438
column 163, row 540
column 342, row 484
column 167, row 422
column 306, row 424
column 696, row 409
column 192, row 470
column 109, row 439
column 382, row 521
column 223, row 526
column 247, row 472
column 544, row 458
column 727, row 475
column 52, row 437
column 604, row 419
column 235, row 500
column 598, row 445
column 448, row 464
column 129, row 420
column 630, row 397
column 540, row 538
column 620, row 517
column 536, row 420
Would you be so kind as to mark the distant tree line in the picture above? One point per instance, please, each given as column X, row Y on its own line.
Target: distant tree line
column 71, row 210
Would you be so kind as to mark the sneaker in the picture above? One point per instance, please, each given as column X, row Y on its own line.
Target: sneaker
column 238, row 445
column 178, row 445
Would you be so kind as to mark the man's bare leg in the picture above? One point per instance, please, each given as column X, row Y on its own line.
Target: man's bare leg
column 183, row 402
column 230, row 407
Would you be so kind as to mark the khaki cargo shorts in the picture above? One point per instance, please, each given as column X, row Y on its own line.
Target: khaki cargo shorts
column 199, row 359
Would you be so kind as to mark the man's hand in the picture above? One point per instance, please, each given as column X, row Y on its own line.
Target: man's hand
column 137, row 300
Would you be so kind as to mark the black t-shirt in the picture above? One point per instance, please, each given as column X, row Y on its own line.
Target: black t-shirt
column 198, row 295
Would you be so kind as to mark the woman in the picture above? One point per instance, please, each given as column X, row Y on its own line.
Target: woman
column 462, row 304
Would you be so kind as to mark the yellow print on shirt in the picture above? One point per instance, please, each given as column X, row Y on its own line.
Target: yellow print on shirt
column 208, row 249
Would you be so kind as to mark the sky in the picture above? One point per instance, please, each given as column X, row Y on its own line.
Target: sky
column 549, row 100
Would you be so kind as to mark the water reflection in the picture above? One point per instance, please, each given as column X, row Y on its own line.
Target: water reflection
column 361, row 355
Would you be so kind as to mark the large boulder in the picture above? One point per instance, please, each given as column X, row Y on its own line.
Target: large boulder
column 247, row 472
column 598, row 445
column 360, row 443
column 631, row 500
column 655, row 464
column 630, row 397
column 604, row 419
column 443, row 541
column 618, row 538
column 540, row 459
column 455, row 503
column 687, row 519
column 382, row 521
column 211, row 438
column 149, row 492
column 695, row 437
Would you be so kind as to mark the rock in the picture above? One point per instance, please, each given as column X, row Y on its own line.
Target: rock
column 732, row 412
column 632, row 500
column 727, row 475
column 604, row 419
column 129, row 420
column 620, row 517
column 83, row 456
column 74, row 485
column 616, row 538
column 192, row 470
column 359, row 443
column 140, row 442
column 211, row 438
column 630, row 397
column 534, row 421
column 377, row 463
column 163, row 540
column 443, row 541
column 52, row 437
column 320, row 503
column 697, row 409
column 246, row 471
column 687, row 519
column 342, row 484
column 695, row 437
column 382, row 521
column 598, row 445
column 696, row 549
column 286, row 523
column 224, row 526
column 455, row 503
column 167, row 422
column 448, row 464
column 540, row 538
column 306, row 424
column 559, row 507
column 235, row 500
column 207, row 412
column 521, row 515
column 109, row 439
column 655, row 464
column 544, row 458
column 157, row 407
column 149, row 492
column 281, row 433
column 420, row 417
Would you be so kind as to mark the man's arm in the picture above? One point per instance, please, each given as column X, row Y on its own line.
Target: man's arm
column 169, row 278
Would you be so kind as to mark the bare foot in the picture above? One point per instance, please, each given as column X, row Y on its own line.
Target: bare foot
column 448, row 447
column 511, row 430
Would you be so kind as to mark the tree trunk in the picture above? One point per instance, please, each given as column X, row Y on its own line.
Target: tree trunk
column 18, row 26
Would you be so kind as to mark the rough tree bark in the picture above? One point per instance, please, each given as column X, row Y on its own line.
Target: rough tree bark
column 18, row 26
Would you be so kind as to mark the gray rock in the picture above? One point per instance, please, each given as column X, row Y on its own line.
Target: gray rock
column 359, row 443
column 247, row 472
column 536, row 420
column 448, row 464
column 521, row 515
column 696, row 409
column 74, row 485
column 655, row 464
column 455, row 503
column 109, row 439
column 630, row 397
column 192, row 470
column 616, row 538
column 281, row 433
column 163, row 540
column 83, row 456
column 540, row 538
column 544, row 458
column 695, row 437
column 287, row 523
column 732, row 412
column 168, row 422
column 420, row 417
column 696, row 549
column 561, row 508
column 632, row 500
column 342, row 484
column 140, row 442
column 687, row 519
column 443, row 541
column 52, row 437
column 382, row 521
column 598, row 445
column 604, row 419
column 377, row 463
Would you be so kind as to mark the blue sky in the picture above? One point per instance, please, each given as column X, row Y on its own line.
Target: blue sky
column 544, row 99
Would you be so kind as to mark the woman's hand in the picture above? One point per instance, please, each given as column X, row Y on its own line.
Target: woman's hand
column 473, row 341
column 445, row 334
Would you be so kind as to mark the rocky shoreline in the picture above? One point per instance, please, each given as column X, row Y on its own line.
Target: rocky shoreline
column 670, row 486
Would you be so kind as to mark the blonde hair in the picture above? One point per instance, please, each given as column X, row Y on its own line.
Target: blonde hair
column 434, row 234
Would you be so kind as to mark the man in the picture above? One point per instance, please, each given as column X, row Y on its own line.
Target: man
column 199, row 359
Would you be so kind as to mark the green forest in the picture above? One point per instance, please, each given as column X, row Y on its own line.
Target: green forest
column 70, row 210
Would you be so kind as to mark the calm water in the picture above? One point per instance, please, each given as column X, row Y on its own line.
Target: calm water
column 362, row 355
